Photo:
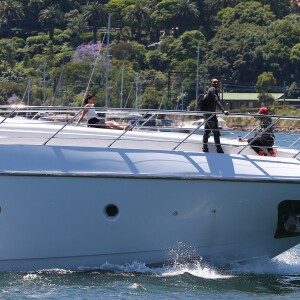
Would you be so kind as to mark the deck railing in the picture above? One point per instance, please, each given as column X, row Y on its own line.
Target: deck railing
column 139, row 120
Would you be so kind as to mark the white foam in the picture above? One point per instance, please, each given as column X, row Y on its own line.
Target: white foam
column 287, row 263
column 30, row 277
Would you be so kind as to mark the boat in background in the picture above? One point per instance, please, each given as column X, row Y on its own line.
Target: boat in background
column 190, row 126
column 75, row 196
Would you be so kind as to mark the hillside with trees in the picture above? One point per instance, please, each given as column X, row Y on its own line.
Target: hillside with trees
column 157, row 53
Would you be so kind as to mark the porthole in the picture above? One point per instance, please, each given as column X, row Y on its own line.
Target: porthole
column 111, row 210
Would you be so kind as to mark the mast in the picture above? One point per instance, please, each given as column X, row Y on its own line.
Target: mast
column 197, row 75
column 28, row 95
column 44, row 83
column 107, row 62
column 137, row 91
column 122, row 83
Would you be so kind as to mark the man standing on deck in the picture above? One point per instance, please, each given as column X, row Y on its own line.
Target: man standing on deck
column 211, row 121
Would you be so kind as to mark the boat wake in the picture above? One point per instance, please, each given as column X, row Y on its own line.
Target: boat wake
column 288, row 263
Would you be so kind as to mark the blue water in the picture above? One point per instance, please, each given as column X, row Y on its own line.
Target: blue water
column 277, row 278
column 269, row 279
column 281, row 139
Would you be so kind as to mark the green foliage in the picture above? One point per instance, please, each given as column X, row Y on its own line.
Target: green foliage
column 265, row 99
column 265, row 81
column 130, row 51
column 7, row 89
column 252, row 12
column 151, row 98
column 178, row 14
column 294, row 90
column 37, row 40
column 234, row 52
column 295, row 54
column 157, row 60
column 238, row 40
column 186, row 46
column 12, row 75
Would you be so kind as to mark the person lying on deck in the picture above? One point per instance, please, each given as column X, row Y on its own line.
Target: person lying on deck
column 93, row 120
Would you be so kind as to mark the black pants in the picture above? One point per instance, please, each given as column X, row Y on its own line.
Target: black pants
column 211, row 126
column 97, row 123
column 266, row 140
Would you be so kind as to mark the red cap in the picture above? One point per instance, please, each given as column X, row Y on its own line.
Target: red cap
column 263, row 110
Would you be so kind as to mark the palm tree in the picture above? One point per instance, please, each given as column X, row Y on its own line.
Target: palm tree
column 184, row 11
column 50, row 17
column 138, row 15
column 93, row 13
column 177, row 14
column 10, row 13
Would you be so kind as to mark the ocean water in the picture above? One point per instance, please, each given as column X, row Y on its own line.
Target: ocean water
column 277, row 278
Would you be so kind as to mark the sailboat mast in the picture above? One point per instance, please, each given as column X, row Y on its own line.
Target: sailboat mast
column 44, row 83
column 137, row 91
column 107, row 62
column 197, row 75
column 122, row 83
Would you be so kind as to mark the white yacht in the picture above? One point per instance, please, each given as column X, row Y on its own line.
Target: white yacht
column 75, row 197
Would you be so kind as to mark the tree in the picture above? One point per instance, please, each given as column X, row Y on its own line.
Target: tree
column 50, row 17
column 9, row 51
column 94, row 13
column 279, row 8
column 136, row 16
column 295, row 58
column 117, row 8
column 130, row 51
column 294, row 90
column 185, row 12
column 186, row 46
column 254, row 13
column 235, row 52
column 10, row 13
column 75, row 22
column 277, row 50
column 264, row 82
column 151, row 98
column 179, row 15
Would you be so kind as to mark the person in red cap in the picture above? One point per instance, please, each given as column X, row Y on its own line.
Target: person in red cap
column 264, row 136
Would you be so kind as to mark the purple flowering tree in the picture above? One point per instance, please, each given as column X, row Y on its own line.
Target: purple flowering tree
column 14, row 99
column 86, row 53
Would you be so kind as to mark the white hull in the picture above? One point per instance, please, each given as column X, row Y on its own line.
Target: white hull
column 81, row 197
column 54, row 215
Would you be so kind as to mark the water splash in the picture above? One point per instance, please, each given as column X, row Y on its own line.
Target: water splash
column 287, row 263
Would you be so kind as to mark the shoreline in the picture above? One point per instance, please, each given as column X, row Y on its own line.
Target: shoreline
column 276, row 129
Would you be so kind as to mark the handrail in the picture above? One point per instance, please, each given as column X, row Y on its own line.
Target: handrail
column 255, row 138
column 143, row 115
column 76, row 115
column 9, row 115
column 191, row 133
column 128, row 129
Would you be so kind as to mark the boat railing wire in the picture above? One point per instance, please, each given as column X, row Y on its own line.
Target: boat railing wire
column 141, row 118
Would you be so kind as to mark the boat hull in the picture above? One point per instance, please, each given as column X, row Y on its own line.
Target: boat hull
column 71, row 221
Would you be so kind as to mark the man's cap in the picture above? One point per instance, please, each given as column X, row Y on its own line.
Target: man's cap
column 263, row 110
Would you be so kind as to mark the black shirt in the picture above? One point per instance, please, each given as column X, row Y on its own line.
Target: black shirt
column 213, row 100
